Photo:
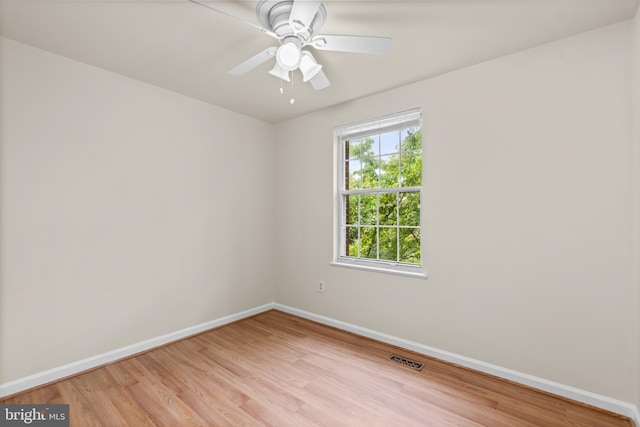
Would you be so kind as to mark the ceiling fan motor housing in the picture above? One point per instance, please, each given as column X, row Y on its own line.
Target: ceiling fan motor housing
column 274, row 16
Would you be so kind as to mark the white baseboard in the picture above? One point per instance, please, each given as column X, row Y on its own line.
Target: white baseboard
column 636, row 415
column 593, row 399
column 58, row 373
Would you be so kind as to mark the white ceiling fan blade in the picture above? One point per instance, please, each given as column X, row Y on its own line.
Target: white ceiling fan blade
column 302, row 14
column 352, row 44
column 253, row 62
column 320, row 81
column 222, row 12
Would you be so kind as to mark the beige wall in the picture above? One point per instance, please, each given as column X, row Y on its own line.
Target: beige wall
column 636, row 146
column 128, row 211
column 527, row 216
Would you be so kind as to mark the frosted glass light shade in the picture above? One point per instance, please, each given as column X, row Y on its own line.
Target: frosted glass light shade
column 309, row 67
column 288, row 56
column 279, row 72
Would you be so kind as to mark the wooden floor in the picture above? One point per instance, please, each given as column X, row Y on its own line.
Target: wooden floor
column 275, row 369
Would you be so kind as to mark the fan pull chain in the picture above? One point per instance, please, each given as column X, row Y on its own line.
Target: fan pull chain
column 292, row 100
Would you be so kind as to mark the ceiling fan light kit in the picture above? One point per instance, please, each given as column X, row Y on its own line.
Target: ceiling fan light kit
column 293, row 23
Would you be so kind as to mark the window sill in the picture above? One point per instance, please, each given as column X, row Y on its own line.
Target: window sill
column 418, row 273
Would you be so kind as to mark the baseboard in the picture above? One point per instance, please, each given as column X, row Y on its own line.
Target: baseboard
column 593, row 399
column 61, row 372
column 636, row 415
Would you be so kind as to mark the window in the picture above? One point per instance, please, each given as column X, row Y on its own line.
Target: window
column 379, row 194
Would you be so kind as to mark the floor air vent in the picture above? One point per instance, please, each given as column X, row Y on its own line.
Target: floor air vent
column 406, row 362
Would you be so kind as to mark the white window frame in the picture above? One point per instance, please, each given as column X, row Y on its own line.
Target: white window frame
column 397, row 121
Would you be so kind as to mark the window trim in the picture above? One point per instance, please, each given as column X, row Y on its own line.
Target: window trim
column 398, row 121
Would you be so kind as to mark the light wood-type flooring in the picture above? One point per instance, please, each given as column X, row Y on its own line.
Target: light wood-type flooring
column 275, row 369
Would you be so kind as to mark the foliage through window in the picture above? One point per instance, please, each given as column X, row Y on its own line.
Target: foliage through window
column 380, row 191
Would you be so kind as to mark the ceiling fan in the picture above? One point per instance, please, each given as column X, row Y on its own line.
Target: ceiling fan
column 294, row 23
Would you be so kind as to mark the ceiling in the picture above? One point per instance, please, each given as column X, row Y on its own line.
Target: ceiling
column 183, row 47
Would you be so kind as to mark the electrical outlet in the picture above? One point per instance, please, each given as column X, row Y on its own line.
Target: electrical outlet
column 320, row 286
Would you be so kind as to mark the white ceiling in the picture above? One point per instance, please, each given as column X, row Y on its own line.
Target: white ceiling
column 188, row 49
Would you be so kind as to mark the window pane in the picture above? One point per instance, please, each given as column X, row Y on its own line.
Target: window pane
column 373, row 142
column 351, row 209
column 352, row 149
column 409, row 208
column 368, row 243
column 389, row 169
column 410, row 245
column 368, row 147
column 389, row 244
column 387, row 209
column 353, row 175
column 411, row 139
column 411, row 169
column 370, row 167
column 390, row 142
column 352, row 241
column 368, row 209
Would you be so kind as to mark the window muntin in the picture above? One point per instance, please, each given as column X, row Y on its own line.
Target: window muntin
column 380, row 193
